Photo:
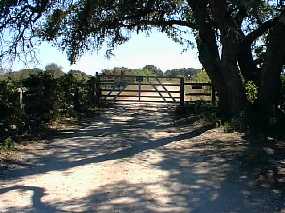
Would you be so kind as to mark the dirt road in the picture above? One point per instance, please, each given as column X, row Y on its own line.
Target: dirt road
column 133, row 158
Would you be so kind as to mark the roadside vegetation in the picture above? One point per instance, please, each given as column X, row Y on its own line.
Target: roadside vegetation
column 32, row 100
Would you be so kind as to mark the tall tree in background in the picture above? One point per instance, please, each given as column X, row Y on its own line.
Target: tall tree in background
column 153, row 69
column 227, row 33
column 54, row 70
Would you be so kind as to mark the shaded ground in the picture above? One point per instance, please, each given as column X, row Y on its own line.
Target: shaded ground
column 133, row 159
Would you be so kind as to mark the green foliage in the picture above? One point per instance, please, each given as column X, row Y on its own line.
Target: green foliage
column 184, row 72
column 87, row 24
column 205, row 112
column 54, row 70
column 148, row 70
column 153, row 70
column 53, row 67
column 45, row 98
column 23, row 74
column 79, row 26
column 201, row 76
column 11, row 115
column 7, row 144
column 210, row 117
column 78, row 75
column 238, row 123
column 208, row 113
column 251, row 91
column 40, row 99
column 228, row 127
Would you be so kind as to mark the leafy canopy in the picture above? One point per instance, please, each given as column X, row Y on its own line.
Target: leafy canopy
column 85, row 25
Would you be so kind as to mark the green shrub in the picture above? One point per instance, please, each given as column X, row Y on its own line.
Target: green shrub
column 201, row 76
column 40, row 100
column 228, row 127
column 251, row 91
column 11, row 114
column 46, row 98
column 210, row 117
column 7, row 144
column 238, row 123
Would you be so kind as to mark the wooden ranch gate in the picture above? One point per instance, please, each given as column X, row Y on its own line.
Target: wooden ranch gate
column 130, row 88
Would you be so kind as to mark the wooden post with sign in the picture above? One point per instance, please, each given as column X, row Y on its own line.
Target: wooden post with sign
column 97, row 89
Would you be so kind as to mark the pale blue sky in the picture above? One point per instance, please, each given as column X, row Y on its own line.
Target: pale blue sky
column 156, row 49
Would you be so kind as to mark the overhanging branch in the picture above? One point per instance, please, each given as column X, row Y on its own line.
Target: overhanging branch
column 167, row 23
column 252, row 36
column 155, row 23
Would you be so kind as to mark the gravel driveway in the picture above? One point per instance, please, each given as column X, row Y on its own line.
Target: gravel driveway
column 136, row 158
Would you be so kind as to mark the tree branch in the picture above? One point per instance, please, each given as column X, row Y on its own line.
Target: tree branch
column 252, row 36
column 145, row 22
column 167, row 23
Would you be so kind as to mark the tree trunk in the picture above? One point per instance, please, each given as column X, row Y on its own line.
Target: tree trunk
column 223, row 72
column 224, row 75
column 246, row 63
column 231, row 72
column 270, row 77
column 209, row 58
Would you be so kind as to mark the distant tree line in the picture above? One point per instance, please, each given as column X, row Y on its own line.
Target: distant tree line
column 151, row 70
column 184, row 72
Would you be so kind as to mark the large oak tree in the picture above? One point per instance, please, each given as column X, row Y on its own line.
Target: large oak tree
column 238, row 41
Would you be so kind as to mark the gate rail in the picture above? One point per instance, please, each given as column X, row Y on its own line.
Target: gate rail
column 114, row 87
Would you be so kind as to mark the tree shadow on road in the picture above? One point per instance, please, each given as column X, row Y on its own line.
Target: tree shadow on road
column 204, row 174
column 202, row 180
column 37, row 204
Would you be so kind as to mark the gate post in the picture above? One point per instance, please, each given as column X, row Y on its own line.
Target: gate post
column 140, row 87
column 182, row 91
column 97, row 89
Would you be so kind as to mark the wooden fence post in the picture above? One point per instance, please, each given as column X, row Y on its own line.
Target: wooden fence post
column 97, row 89
column 21, row 94
column 213, row 94
column 182, row 91
column 140, row 88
